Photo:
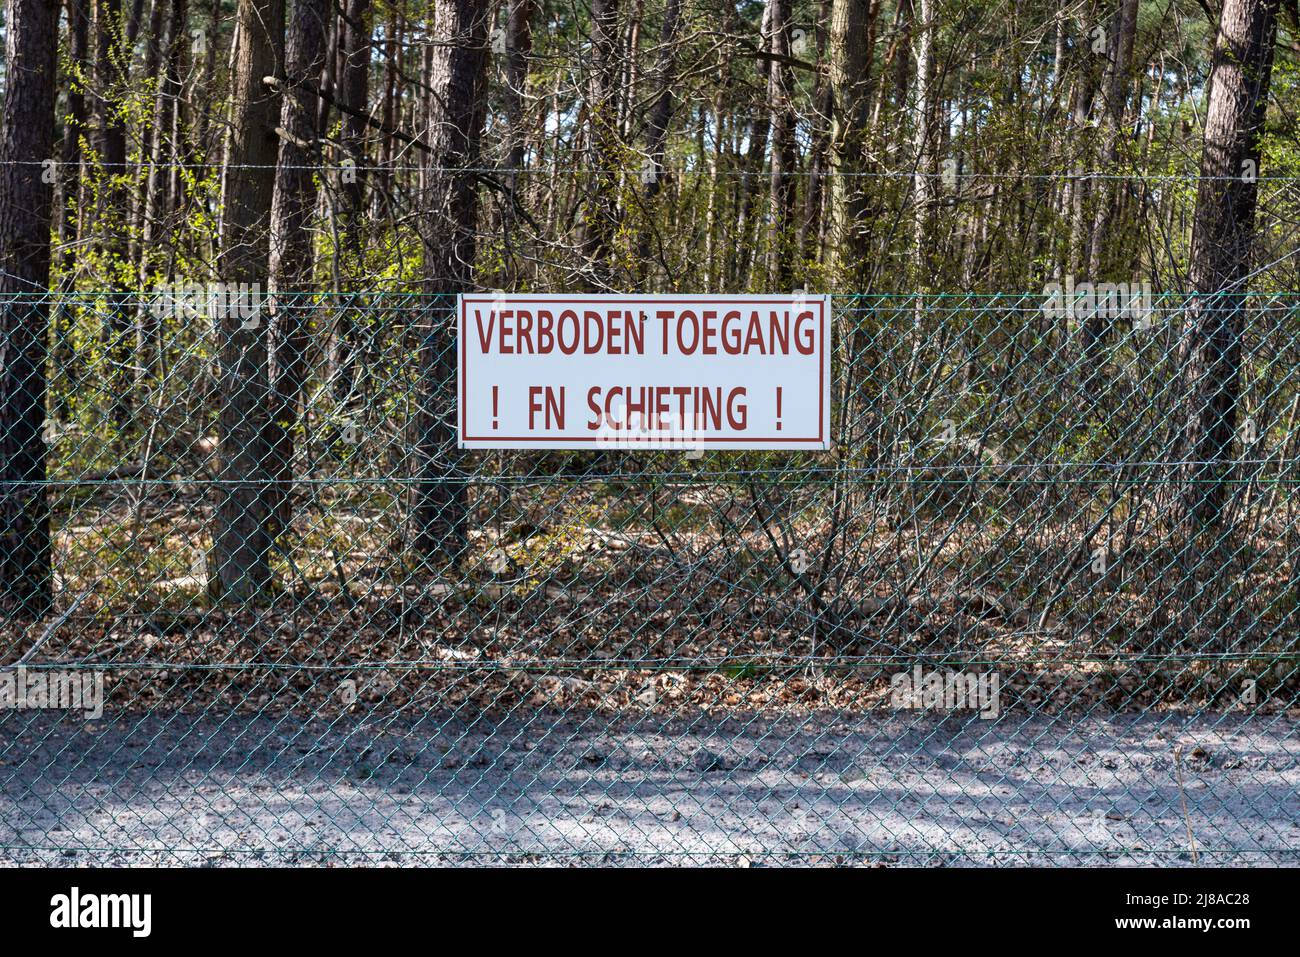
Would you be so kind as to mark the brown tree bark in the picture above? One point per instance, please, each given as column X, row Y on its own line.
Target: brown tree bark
column 156, row 46
column 74, row 127
column 1223, row 237
column 519, row 16
column 239, row 567
column 178, row 69
column 354, row 94
column 457, row 79
column 661, row 112
column 1115, row 96
column 781, row 194
column 811, row 231
column 924, row 136
column 751, row 184
column 381, row 191
column 26, row 141
column 851, row 40
column 350, row 73
column 292, row 255
column 601, row 216
column 519, row 47
column 153, row 207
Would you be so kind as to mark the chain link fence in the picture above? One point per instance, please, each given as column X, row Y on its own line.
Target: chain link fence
column 1009, row 617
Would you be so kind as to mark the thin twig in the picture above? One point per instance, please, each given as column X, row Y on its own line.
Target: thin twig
column 1182, row 797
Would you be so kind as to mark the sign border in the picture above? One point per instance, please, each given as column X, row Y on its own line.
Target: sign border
column 794, row 443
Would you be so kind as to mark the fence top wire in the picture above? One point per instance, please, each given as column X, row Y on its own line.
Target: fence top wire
column 1058, row 175
column 1030, row 299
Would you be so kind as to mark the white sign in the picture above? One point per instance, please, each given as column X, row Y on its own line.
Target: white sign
column 662, row 371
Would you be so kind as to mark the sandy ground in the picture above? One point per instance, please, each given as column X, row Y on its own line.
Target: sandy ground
column 557, row 787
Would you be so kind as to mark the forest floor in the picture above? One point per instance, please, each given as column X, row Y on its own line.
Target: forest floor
column 553, row 786
column 606, row 697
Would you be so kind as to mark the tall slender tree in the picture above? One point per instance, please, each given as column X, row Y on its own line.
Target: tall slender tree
column 519, row 15
column 602, row 207
column 26, row 142
column 292, row 206
column 781, row 197
column 1222, row 254
column 242, row 537
column 1115, row 92
column 660, row 115
column 354, row 95
column 113, row 214
column 457, row 78
column 852, row 28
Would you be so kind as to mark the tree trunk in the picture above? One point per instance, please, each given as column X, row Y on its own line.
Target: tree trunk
column 171, row 40
column 73, row 129
column 354, row 93
column 1223, row 236
column 751, row 183
column 179, row 133
column 352, row 52
column 924, row 146
column 809, row 243
column 291, row 258
column 68, row 205
column 901, row 47
column 518, row 49
column 239, row 564
column 657, row 125
column 144, row 181
column 781, row 198
column 113, row 214
column 1115, row 95
column 457, row 79
column 602, row 212
column 26, row 141
column 852, row 27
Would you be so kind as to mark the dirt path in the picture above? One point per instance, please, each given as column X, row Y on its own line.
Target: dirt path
column 561, row 787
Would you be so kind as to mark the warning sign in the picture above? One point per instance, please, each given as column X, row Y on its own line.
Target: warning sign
column 653, row 371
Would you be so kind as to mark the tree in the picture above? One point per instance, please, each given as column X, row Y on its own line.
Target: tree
column 290, row 268
column 113, row 211
column 166, row 53
column 852, row 31
column 924, row 136
column 354, row 93
column 1223, row 236
column 657, row 124
column 26, row 141
column 456, row 86
column 68, row 193
column 780, row 249
column 519, row 46
column 242, row 538
column 602, row 209
column 1115, row 95
column 74, row 125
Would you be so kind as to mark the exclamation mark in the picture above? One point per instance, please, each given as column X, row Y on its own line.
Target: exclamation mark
column 495, row 403
column 778, row 408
